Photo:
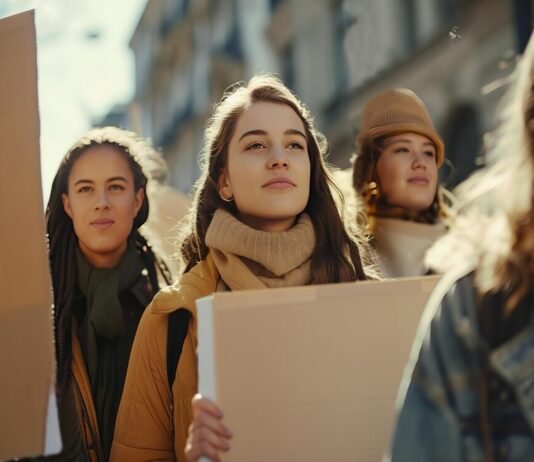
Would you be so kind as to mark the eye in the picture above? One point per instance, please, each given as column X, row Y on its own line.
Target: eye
column 85, row 189
column 116, row 187
column 255, row 146
column 402, row 149
column 430, row 153
column 295, row 145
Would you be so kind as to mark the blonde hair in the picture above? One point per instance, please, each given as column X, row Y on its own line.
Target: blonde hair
column 495, row 231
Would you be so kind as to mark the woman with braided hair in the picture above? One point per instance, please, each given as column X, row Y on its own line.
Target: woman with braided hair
column 104, row 274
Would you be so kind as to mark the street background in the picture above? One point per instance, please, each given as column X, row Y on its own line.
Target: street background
column 156, row 66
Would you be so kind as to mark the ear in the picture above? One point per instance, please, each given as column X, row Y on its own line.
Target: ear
column 224, row 185
column 66, row 205
column 139, row 197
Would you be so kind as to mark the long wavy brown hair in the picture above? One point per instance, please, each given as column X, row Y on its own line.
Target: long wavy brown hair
column 62, row 240
column 336, row 257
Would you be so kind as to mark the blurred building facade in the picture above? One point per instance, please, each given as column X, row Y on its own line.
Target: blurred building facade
column 335, row 54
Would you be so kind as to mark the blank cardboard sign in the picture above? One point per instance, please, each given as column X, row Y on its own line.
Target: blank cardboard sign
column 26, row 348
column 309, row 373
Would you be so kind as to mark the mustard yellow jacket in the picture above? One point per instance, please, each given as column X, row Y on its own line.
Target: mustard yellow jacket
column 152, row 422
column 84, row 401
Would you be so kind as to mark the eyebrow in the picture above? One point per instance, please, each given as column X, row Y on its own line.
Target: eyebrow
column 289, row 131
column 117, row 178
column 114, row 178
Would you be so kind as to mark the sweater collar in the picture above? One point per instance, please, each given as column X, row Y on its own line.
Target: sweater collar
column 248, row 258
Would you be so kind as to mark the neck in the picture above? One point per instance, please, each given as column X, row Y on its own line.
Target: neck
column 103, row 260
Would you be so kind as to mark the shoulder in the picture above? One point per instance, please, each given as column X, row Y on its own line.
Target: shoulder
column 447, row 340
column 452, row 306
column 445, row 350
column 448, row 322
column 200, row 281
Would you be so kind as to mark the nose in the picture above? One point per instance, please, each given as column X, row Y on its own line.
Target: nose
column 418, row 159
column 278, row 157
column 101, row 201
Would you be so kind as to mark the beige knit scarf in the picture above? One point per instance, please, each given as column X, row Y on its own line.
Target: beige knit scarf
column 248, row 258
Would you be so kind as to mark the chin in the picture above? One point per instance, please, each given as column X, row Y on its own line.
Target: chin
column 106, row 249
column 283, row 216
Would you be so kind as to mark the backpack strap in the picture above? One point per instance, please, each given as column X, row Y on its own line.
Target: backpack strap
column 176, row 333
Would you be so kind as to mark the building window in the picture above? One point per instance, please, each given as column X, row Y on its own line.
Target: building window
column 410, row 24
column 523, row 19
column 177, row 12
column 288, row 65
column 343, row 19
column 232, row 46
column 462, row 135
column 447, row 10
column 275, row 3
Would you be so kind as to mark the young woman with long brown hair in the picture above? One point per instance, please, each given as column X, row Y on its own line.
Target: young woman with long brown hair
column 263, row 215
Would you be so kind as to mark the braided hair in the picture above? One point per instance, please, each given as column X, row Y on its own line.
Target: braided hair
column 62, row 240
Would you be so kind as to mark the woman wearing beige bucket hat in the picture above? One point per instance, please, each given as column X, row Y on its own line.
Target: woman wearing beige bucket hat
column 395, row 174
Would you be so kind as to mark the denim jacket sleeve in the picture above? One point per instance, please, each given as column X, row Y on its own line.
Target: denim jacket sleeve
column 438, row 389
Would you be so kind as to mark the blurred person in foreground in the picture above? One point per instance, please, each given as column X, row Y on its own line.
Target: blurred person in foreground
column 468, row 390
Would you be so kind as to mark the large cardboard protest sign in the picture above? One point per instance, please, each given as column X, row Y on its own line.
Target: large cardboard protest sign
column 26, row 348
column 309, row 373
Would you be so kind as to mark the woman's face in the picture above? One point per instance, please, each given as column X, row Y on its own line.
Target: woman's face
column 268, row 167
column 102, row 203
column 407, row 171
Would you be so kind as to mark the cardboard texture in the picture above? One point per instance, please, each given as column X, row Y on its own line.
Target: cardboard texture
column 309, row 373
column 26, row 347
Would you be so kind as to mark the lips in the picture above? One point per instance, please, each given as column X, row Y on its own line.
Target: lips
column 102, row 223
column 422, row 180
column 279, row 183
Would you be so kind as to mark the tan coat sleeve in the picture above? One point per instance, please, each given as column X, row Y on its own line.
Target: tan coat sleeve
column 152, row 423
column 144, row 427
column 184, row 388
